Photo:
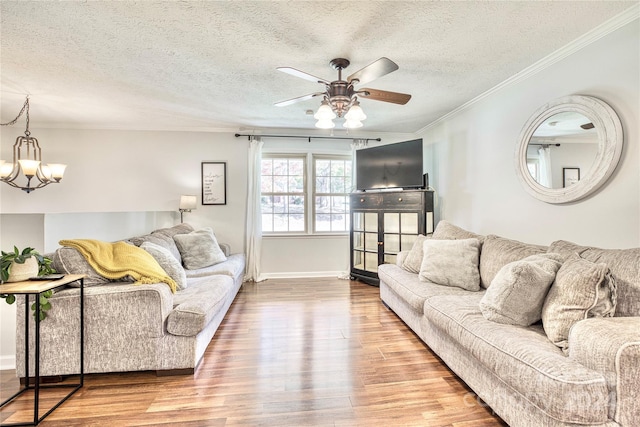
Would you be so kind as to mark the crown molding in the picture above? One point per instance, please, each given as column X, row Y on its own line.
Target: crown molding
column 608, row 27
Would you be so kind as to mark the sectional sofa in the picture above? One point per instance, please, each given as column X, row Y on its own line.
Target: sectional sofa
column 546, row 336
column 139, row 327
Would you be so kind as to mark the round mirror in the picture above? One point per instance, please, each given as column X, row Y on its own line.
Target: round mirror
column 569, row 148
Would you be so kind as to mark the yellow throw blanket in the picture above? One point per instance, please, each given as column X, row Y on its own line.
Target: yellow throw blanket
column 118, row 260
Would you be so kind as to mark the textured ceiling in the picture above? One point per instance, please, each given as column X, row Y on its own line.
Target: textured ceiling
column 212, row 65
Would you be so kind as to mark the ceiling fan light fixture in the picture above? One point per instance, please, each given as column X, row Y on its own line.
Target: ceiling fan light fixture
column 325, row 112
column 355, row 113
column 325, row 124
column 352, row 124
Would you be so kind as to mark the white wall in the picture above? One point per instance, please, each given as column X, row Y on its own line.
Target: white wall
column 474, row 153
column 135, row 171
column 21, row 231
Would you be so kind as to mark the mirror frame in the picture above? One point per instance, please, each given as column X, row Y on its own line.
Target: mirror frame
column 610, row 142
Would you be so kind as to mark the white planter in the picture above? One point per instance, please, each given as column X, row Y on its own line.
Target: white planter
column 20, row 272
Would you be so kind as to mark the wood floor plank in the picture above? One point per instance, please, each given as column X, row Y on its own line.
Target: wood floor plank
column 290, row 352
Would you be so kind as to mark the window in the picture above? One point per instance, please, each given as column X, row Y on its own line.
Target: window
column 287, row 190
column 283, row 194
column 331, row 194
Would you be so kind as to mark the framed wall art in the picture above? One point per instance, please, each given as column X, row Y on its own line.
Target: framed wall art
column 570, row 176
column 214, row 183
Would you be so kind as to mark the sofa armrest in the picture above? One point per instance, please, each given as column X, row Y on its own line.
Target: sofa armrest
column 611, row 346
column 123, row 325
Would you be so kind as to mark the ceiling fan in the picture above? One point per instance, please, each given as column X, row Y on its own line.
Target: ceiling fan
column 340, row 97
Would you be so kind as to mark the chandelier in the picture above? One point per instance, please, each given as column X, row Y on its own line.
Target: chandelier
column 27, row 158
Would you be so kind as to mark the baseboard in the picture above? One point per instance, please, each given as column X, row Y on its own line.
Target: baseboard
column 7, row 362
column 301, row 274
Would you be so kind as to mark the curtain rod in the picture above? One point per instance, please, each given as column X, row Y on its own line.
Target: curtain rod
column 309, row 138
column 547, row 144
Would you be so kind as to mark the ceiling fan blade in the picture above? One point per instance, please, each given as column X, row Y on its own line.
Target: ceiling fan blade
column 383, row 95
column 302, row 75
column 375, row 70
column 298, row 99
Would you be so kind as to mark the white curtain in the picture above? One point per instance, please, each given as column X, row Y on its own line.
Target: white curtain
column 254, row 217
column 356, row 144
column 544, row 161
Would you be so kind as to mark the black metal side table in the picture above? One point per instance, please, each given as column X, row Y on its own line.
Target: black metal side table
column 36, row 288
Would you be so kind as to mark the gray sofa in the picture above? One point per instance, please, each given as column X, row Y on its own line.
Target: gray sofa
column 134, row 327
column 517, row 370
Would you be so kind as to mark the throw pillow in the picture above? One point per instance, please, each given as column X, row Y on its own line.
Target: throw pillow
column 518, row 291
column 498, row 252
column 451, row 263
column 623, row 265
column 582, row 289
column 168, row 262
column 447, row 231
column 413, row 260
column 199, row 249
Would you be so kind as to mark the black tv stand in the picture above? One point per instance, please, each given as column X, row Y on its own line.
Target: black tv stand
column 384, row 223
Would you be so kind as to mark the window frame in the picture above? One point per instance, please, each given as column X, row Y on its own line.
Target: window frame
column 303, row 157
column 314, row 193
column 309, row 178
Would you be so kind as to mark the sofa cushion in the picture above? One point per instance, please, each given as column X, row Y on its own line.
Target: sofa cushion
column 451, row 263
column 199, row 249
column 447, row 231
column 623, row 265
column 168, row 262
column 582, row 289
column 164, row 237
column 410, row 289
column 498, row 252
column 413, row 258
column 518, row 291
column 233, row 267
column 195, row 306
column 524, row 359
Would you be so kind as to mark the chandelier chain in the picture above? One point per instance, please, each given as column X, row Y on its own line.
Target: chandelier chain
column 13, row 122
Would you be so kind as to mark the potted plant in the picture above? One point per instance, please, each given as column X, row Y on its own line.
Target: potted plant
column 16, row 266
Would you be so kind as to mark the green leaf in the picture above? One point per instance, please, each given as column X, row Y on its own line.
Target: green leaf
column 10, row 298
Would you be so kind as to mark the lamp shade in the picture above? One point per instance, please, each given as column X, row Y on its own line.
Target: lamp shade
column 352, row 124
column 29, row 167
column 188, row 203
column 325, row 124
column 355, row 113
column 325, row 112
column 57, row 170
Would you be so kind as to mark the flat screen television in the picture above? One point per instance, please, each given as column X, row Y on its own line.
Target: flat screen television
column 390, row 166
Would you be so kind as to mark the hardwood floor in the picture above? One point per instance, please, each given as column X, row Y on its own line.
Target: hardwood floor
column 295, row 352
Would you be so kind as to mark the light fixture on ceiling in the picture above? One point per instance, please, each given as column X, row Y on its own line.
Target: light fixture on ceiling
column 27, row 157
column 187, row 204
column 340, row 97
column 340, row 100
